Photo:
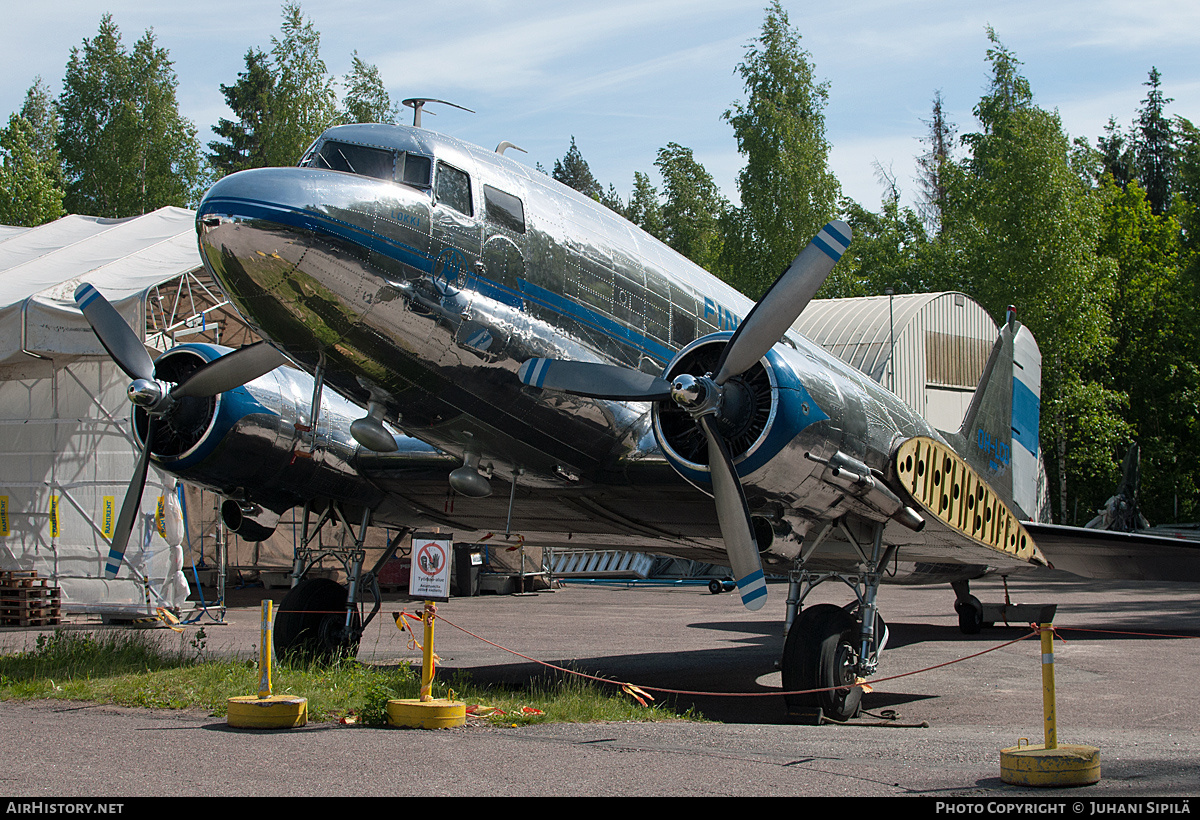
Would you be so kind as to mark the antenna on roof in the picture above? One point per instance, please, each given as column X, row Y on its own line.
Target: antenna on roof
column 418, row 103
column 504, row 146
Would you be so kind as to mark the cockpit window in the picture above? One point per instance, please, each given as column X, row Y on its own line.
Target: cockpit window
column 504, row 209
column 416, row 170
column 355, row 159
column 454, row 189
column 379, row 163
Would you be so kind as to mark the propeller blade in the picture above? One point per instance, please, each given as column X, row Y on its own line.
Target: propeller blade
column 783, row 303
column 129, row 508
column 734, row 517
column 229, row 371
column 595, row 380
column 122, row 344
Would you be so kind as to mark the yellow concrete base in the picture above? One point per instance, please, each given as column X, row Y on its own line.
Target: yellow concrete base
column 274, row 712
column 1038, row 766
column 413, row 713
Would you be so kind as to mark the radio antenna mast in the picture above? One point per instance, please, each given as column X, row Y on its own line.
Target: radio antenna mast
column 418, row 103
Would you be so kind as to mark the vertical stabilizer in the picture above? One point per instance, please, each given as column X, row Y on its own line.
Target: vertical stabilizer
column 999, row 435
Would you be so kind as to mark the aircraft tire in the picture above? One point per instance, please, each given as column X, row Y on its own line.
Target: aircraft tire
column 309, row 626
column 970, row 615
column 819, row 653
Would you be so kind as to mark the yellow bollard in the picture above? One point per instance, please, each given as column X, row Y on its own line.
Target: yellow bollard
column 266, row 710
column 1049, row 764
column 426, row 712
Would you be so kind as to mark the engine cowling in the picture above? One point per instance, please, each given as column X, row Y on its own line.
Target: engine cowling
column 765, row 411
column 253, row 444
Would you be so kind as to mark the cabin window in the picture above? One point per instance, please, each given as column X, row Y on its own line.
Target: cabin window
column 355, row 159
column 683, row 328
column 454, row 189
column 505, row 210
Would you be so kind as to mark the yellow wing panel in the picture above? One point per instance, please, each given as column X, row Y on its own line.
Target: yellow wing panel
column 941, row 482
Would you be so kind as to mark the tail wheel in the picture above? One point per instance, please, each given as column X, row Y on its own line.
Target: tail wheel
column 311, row 624
column 820, row 653
column 970, row 615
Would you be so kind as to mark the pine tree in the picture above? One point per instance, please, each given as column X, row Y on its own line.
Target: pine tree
column 573, row 171
column 933, row 165
column 250, row 100
column 1155, row 146
column 644, row 209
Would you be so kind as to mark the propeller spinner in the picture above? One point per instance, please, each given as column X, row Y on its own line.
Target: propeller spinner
column 703, row 395
column 157, row 398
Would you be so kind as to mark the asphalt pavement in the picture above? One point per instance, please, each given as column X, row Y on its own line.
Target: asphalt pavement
column 944, row 704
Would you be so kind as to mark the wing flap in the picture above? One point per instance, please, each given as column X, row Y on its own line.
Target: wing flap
column 945, row 486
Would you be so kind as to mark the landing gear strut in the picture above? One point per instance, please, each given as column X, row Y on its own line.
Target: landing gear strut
column 828, row 648
column 320, row 619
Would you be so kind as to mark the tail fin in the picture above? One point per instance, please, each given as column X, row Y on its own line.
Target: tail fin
column 999, row 434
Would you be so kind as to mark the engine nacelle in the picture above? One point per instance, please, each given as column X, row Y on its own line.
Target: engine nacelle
column 801, row 429
column 255, row 444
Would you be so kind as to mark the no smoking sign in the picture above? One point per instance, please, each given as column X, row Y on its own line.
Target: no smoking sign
column 429, row 577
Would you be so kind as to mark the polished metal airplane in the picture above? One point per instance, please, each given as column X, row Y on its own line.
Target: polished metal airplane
column 480, row 324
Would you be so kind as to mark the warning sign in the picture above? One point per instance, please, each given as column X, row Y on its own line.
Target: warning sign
column 429, row 578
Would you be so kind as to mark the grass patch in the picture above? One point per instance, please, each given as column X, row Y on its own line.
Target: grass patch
column 142, row 668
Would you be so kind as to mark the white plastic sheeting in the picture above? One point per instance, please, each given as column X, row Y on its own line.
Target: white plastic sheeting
column 67, row 450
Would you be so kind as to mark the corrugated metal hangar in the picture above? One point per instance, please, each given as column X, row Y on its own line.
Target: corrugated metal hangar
column 927, row 348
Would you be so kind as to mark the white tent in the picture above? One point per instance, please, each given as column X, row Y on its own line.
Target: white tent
column 67, row 450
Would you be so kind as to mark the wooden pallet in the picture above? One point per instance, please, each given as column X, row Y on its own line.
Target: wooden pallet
column 27, row 600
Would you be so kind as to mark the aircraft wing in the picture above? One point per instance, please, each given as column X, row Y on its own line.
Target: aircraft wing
column 1129, row 556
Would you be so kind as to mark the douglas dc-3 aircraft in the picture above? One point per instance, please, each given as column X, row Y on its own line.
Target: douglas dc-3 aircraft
column 482, row 324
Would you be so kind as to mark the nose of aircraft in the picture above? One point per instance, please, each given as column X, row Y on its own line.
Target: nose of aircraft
column 272, row 194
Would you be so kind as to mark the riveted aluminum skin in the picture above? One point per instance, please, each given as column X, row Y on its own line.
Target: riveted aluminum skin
column 418, row 291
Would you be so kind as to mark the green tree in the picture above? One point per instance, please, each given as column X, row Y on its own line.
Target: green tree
column 304, row 102
column 244, row 140
column 644, row 209
column 1023, row 228
column 1156, row 326
column 41, row 111
column 573, row 171
column 787, row 191
column 692, row 206
column 29, row 192
column 366, row 98
column 125, row 148
column 1155, row 146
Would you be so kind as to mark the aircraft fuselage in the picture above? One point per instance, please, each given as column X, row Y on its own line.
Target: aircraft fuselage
column 422, row 271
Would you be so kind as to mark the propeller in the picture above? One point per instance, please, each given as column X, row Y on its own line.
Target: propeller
column 129, row 353
column 702, row 395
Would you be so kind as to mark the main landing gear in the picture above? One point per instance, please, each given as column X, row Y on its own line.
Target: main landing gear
column 319, row 619
column 829, row 648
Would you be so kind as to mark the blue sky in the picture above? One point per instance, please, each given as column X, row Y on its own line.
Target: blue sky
column 626, row 77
